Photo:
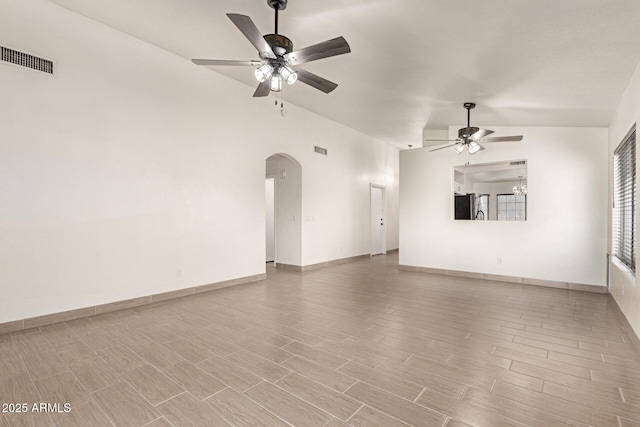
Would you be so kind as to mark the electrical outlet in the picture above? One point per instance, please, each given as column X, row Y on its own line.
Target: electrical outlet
column 179, row 273
column 499, row 260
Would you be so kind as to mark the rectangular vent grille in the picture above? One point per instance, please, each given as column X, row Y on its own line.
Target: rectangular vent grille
column 519, row 162
column 320, row 150
column 26, row 60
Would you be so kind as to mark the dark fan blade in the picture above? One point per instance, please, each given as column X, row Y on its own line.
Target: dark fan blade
column 263, row 89
column 441, row 140
column 333, row 47
column 503, row 138
column 251, row 32
column 316, row 81
column 443, row 147
column 480, row 134
column 224, row 62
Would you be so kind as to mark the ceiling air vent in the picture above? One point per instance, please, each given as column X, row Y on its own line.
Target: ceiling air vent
column 26, row 60
column 519, row 162
column 320, row 150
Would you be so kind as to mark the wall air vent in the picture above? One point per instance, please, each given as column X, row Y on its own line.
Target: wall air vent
column 518, row 163
column 320, row 150
column 26, row 60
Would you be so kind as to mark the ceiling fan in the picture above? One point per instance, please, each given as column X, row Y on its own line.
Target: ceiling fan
column 471, row 137
column 278, row 61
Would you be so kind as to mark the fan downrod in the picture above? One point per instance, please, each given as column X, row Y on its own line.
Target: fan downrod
column 465, row 133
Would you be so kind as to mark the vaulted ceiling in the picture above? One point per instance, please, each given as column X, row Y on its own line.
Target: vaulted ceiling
column 414, row 62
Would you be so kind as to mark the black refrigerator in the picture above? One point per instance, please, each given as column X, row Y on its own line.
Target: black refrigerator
column 465, row 206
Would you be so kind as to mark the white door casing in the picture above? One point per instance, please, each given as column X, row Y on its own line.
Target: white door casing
column 378, row 220
column 270, row 222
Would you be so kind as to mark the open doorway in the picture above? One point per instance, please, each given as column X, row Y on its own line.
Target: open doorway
column 283, row 240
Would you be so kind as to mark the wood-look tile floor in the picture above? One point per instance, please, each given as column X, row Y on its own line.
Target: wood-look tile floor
column 360, row 344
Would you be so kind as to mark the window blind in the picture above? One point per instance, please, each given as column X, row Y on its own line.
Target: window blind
column 624, row 201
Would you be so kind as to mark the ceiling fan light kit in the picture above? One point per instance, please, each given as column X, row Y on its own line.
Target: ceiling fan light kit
column 278, row 61
column 276, row 83
column 473, row 147
column 263, row 72
column 288, row 74
column 470, row 137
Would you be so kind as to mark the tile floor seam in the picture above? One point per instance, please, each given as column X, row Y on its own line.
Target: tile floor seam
column 261, row 405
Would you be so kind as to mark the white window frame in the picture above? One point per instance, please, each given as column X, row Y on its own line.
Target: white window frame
column 623, row 243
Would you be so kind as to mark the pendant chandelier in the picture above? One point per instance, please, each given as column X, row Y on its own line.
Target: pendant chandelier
column 520, row 189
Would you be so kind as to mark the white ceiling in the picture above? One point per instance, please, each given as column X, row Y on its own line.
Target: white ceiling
column 414, row 62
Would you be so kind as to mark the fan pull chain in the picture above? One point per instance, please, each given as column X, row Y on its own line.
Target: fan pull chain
column 283, row 112
column 281, row 101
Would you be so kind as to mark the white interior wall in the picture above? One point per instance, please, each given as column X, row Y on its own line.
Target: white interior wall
column 343, row 201
column 564, row 238
column 131, row 164
column 624, row 285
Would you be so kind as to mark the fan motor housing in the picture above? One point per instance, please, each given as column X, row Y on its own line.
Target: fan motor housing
column 465, row 133
column 280, row 44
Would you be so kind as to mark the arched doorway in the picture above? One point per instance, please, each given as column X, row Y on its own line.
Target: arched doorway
column 283, row 201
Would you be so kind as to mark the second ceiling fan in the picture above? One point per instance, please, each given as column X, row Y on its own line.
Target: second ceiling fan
column 278, row 61
column 469, row 138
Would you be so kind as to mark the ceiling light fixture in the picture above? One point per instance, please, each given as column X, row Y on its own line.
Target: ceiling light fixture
column 474, row 147
column 471, row 146
column 471, row 137
column 276, row 82
column 520, row 189
column 278, row 61
column 263, row 72
column 266, row 71
column 288, row 74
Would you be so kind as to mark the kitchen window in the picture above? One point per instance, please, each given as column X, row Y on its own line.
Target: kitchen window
column 512, row 207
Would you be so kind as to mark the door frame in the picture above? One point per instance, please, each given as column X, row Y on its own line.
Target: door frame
column 288, row 205
column 384, row 216
column 275, row 221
